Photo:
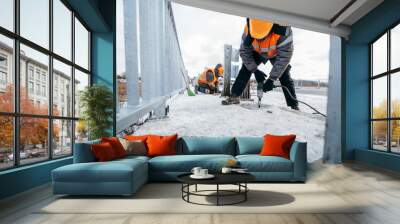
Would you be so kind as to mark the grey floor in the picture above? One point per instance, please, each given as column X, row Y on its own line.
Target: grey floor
column 377, row 188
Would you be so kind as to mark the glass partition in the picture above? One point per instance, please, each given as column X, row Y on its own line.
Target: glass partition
column 40, row 124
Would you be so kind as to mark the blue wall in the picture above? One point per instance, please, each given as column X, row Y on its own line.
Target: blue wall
column 104, row 53
column 356, row 54
column 357, row 98
column 102, row 58
column 99, row 16
column 103, row 67
column 24, row 178
column 381, row 159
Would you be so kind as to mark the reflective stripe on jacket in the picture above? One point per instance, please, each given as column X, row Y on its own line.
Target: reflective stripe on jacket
column 278, row 48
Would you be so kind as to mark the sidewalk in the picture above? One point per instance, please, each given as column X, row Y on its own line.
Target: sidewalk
column 203, row 115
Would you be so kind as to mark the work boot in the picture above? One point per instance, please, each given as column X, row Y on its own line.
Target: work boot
column 231, row 100
column 295, row 107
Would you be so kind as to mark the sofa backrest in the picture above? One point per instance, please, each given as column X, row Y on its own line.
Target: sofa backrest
column 192, row 145
column 83, row 153
column 249, row 145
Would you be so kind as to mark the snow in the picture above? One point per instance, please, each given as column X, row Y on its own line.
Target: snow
column 203, row 115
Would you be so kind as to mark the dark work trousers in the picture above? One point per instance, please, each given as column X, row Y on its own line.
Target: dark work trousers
column 202, row 88
column 286, row 80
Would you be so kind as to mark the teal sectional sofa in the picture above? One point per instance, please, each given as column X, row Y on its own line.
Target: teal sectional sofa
column 125, row 176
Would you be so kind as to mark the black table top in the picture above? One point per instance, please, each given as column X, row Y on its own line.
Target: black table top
column 220, row 178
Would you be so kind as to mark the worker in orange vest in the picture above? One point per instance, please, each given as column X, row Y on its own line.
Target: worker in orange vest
column 208, row 80
column 264, row 41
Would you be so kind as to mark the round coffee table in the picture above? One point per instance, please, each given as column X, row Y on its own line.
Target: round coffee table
column 238, row 179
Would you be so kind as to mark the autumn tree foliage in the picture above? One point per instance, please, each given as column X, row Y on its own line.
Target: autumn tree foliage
column 6, row 132
column 33, row 131
column 395, row 123
column 6, row 122
column 380, row 127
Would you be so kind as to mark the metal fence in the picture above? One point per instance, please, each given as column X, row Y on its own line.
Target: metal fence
column 154, row 66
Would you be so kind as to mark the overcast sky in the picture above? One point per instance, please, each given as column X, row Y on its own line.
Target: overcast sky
column 202, row 35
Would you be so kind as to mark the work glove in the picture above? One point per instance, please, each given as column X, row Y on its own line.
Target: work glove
column 268, row 85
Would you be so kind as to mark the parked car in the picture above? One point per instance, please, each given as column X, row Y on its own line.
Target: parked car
column 22, row 155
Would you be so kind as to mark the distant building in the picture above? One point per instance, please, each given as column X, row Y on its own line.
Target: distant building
column 35, row 79
column 122, row 88
column 122, row 92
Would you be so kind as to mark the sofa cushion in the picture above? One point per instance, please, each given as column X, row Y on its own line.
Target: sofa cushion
column 83, row 153
column 277, row 145
column 112, row 171
column 103, row 152
column 194, row 145
column 161, row 145
column 137, row 148
column 136, row 137
column 257, row 163
column 133, row 158
column 185, row 163
column 142, row 138
column 116, row 145
column 249, row 145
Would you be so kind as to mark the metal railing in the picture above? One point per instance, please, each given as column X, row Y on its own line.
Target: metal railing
column 155, row 70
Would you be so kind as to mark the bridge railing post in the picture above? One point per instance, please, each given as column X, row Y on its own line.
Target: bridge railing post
column 131, row 51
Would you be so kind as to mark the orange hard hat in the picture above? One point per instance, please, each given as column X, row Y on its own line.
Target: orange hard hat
column 220, row 70
column 259, row 28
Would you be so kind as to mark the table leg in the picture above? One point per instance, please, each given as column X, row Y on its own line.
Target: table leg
column 188, row 190
column 195, row 188
column 182, row 188
column 217, row 194
column 245, row 193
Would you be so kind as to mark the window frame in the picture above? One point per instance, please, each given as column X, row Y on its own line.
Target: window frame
column 3, row 74
column 16, row 114
column 388, row 74
column 3, row 71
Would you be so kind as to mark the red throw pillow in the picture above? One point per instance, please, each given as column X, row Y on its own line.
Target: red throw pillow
column 277, row 145
column 103, row 152
column 161, row 145
column 116, row 145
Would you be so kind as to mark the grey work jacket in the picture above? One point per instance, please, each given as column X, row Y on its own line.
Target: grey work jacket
column 280, row 61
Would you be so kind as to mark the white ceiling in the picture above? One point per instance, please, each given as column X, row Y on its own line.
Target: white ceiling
column 315, row 15
column 321, row 9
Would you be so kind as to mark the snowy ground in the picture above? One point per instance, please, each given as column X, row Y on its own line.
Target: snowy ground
column 203, row 115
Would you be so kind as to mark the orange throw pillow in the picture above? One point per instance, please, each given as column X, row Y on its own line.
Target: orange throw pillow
column 142, row 138
column 277, row 145
column 103, row 152
column 161, row 145
column 116, row 145
column 136, row 137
